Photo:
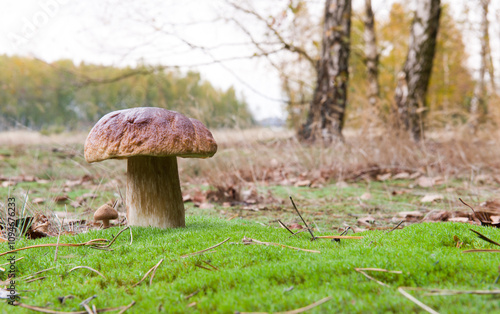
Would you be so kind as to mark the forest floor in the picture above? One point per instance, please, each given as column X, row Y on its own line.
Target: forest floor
column 389, row 191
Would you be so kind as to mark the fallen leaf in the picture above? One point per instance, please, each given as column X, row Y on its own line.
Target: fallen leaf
column 437, row 215
column 410, row 214
column 342, row 184
column 429, row 198
column 459, row 219
column 366, row 196
column 384, row 177
column 61, row 198
column 38, row 200
column 366, row 221
column 295, row 226
column 401, row 176
column 302, row 183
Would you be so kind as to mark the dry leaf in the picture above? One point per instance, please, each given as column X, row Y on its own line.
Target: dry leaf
column 429, row 198
column 302, row 183
column 366, row 221
column 61, row 198
column 38, row 200
column 384, row 177
column 366, row 196
column 459, row 219
column 401, row 176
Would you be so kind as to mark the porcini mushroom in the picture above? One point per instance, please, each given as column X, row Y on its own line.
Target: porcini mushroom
column 105, row 213
column 150, row 139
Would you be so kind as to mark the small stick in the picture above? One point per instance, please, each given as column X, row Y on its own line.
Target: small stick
column 58, row 237
column 298, row 311
column 87, row 308
column 91, row 242
column 201, row 266
column 399, row 224
column 295, row 233
column 381, row 270
column 250, row 241
column 284, row 226
column 154, row 272
column 112, row 241
column 293, row 203
column 35, row 279
column 232, row 217
column 417, row 302
column 210, row 265
column 33, row 275
column 150, row 270
column 481, row 250
column 13, row 261
column 126, row 307
column 485, row 238
column 342, row 234
column 467, row 205
column 203, row 251
column 189, row 296
column 370, row 277
column 339, row 237
column 44, row 310
column 89, row 268
column 131, row 240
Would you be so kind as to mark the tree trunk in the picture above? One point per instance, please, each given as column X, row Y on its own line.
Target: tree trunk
column 478, row 99
column 413, row 81
column 326, row 113
column 371, row 55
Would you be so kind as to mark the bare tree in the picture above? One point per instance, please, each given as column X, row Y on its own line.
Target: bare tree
column 326, row 112
column 479, row 98
column 371, row 54
column 414, row 80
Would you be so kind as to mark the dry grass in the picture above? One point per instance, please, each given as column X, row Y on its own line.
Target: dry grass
column 274, row 156
column 246, row 157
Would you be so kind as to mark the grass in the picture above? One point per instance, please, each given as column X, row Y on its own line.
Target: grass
column 261, row 278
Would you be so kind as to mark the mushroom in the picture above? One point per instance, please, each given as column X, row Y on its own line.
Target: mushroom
column 105, row 213
column 150, row 139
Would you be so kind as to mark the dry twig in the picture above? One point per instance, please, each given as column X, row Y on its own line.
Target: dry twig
column 44, row 310
column 88, row 243
column 284, row 226
column 252, row 241
column 297, row 311
column 417, row 302
column 310, row 231
column 339, row 237
column 89, row 268
column 153, row 269
column 58, row 237
column 485, row 238
column 203, row 251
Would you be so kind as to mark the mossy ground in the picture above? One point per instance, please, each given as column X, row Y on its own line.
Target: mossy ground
column 261, row 278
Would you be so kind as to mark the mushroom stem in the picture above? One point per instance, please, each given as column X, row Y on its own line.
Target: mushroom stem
column 105, row 223
column 154, row 195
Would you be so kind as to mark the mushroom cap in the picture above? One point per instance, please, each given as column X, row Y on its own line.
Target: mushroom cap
column 148, row 131
column 105, row 212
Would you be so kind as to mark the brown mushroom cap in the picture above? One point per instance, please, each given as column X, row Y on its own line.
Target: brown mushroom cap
column 105, row 212
column 148, row 131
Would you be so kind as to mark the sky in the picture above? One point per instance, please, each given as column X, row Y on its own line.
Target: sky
column 188, row 35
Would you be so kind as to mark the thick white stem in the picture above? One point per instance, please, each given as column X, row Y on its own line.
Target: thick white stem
column 154, row 195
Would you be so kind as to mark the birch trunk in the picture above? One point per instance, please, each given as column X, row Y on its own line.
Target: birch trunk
column 478, row 99
column 371, row 54
column 414, row 80
column 326, row 113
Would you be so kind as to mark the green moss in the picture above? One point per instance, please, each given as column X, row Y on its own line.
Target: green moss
column 259, row 278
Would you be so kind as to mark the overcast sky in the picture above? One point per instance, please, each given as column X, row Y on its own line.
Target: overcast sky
column 122, row 32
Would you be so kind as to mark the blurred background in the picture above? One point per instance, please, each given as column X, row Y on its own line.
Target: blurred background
column 234, row 63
